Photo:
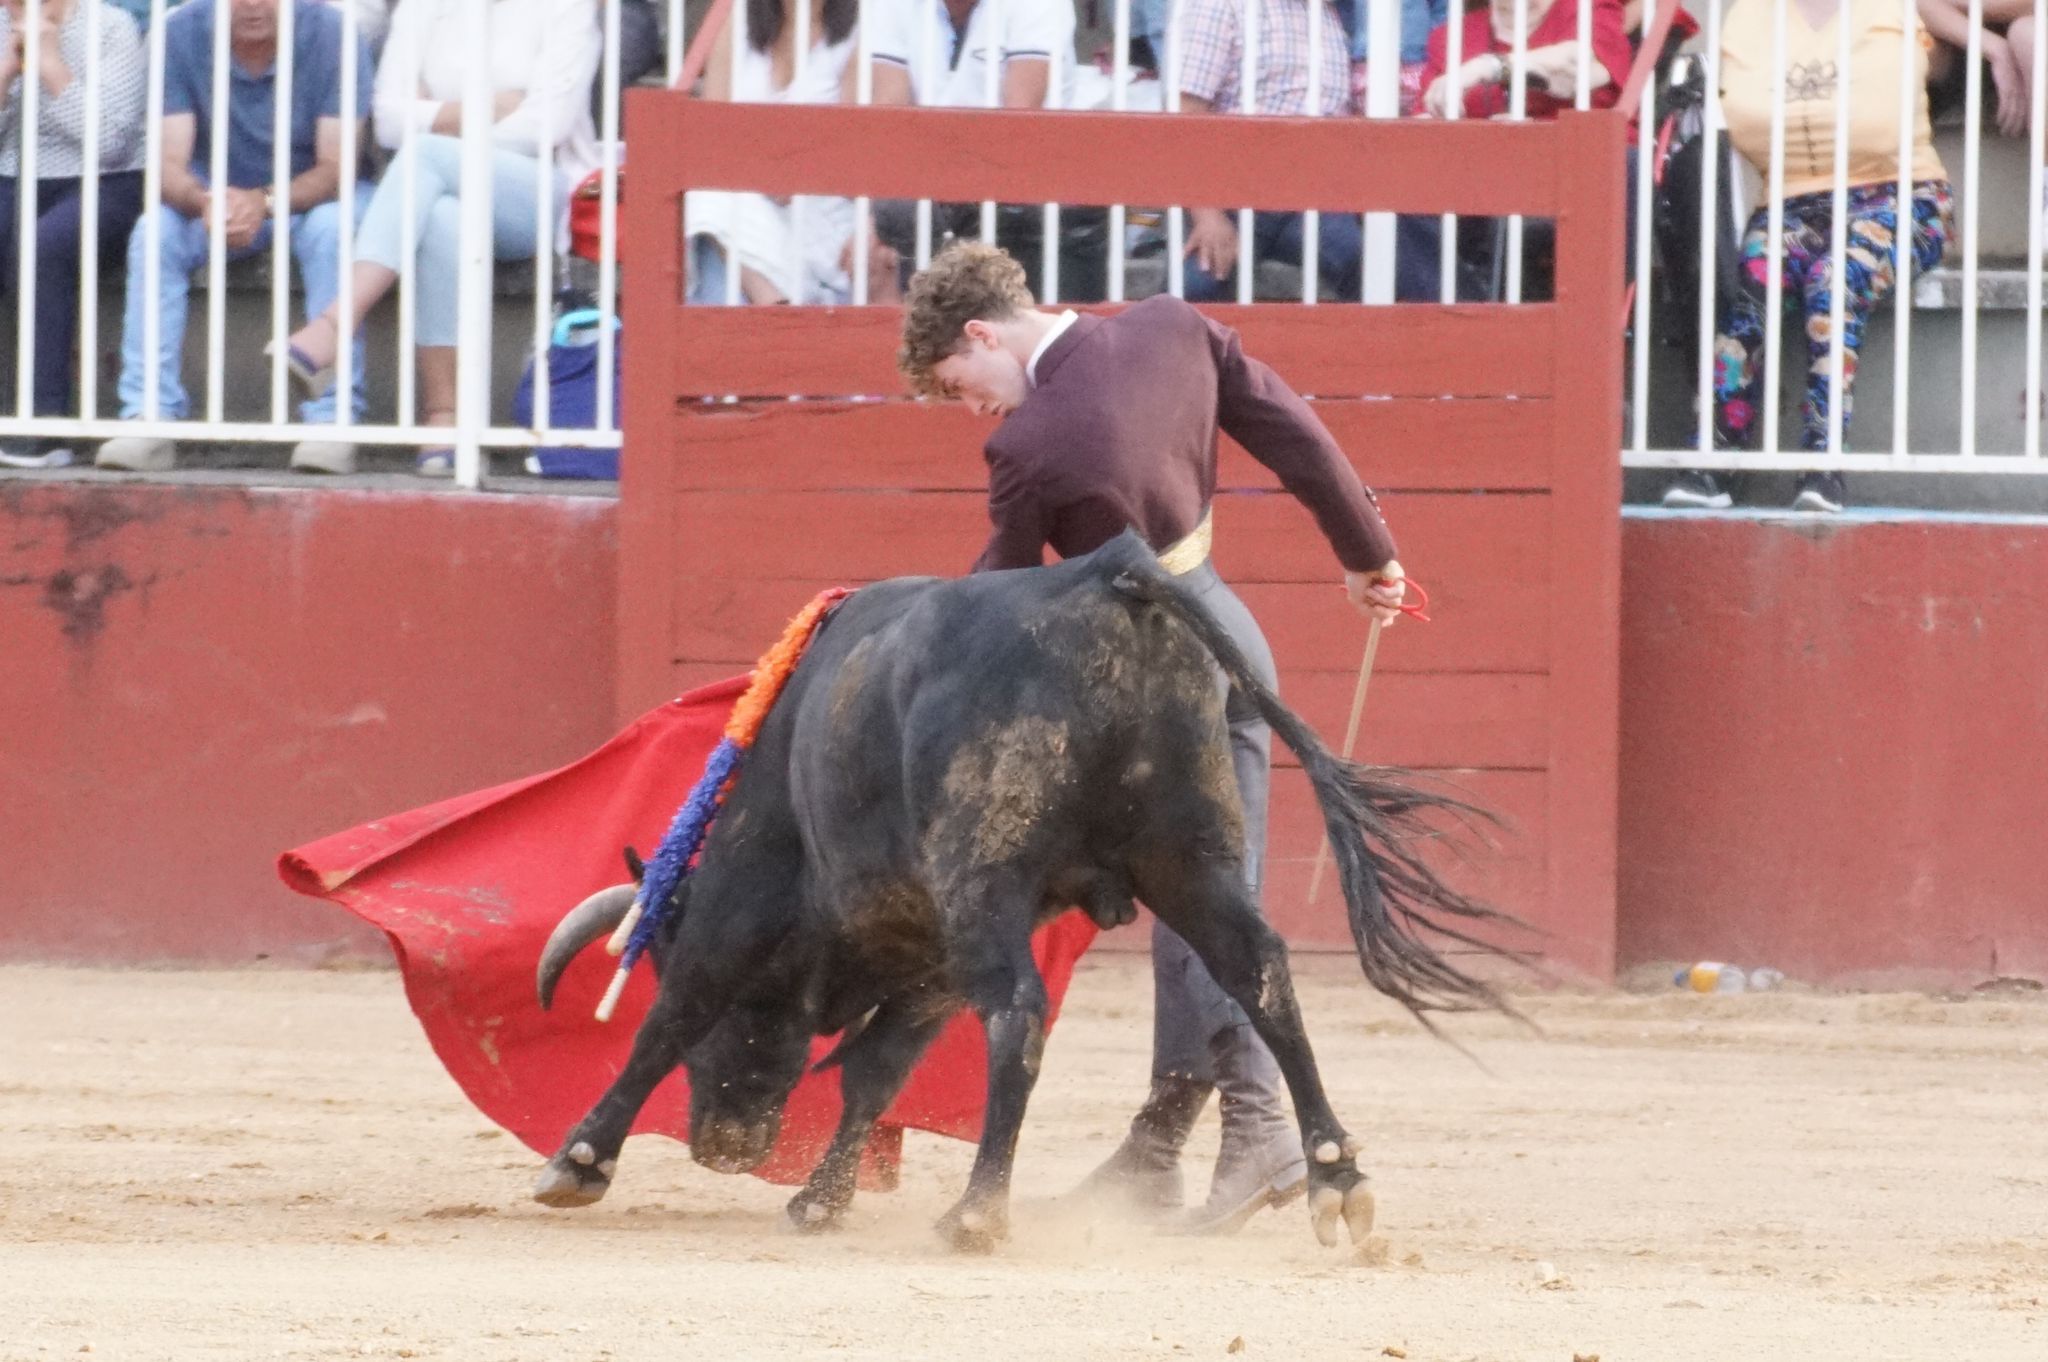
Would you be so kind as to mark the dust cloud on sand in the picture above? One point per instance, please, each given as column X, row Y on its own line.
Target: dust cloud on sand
column 273, row 1165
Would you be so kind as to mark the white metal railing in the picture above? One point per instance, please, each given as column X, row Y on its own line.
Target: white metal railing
column 1673, row 414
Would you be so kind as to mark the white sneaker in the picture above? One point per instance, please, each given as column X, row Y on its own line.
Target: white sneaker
column 35, row 454
column 137, row 454
column 324, row 456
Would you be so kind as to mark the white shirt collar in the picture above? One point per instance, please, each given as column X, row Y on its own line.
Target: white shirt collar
column 1058, row 329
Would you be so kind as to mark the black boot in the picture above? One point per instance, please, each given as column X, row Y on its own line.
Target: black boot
column 1143, row 1176
column 1260, row 1163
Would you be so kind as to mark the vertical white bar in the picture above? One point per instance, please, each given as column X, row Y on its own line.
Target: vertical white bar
column 1049, row 236
column 1247, row 105
column 30, row 125
column 928, row 43
column 992, row 92
column 1838, row 239
column 1710, row 228
column 2035, row 244
column 1646, row 142
column 152, row 224
column 1774, row 284
column 1454, row 108
column 473, row 295
column 864, row 206
column 1902, row 239
column 216, row 223
column 1176, row 216
column 281, row 214
column 608, row 207
column 1312, row 107
column 544, row 217
column 1382, row 100
column 677, row 22
column 1973, row 167
column 345, row 236
column 1583, row 98
column 799, row 204
column 1119, row 100
column 1518, row 109
column 89, row 225
column 740, row 39
column 408, row 243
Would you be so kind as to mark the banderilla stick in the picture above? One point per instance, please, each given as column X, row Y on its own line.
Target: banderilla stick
column 1372, row 648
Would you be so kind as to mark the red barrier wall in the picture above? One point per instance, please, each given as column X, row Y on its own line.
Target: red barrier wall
column 1832, row 733
column 200, row 675
column 1833, row 740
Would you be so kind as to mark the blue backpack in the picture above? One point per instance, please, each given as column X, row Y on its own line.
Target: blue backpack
column 572, row 399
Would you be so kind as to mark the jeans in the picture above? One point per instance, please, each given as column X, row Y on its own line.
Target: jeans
column 316, row 246
column 437, row 222
column 1340, row 245
column 59, row 216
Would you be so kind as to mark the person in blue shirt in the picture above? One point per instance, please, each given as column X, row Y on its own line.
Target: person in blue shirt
column 246, row 201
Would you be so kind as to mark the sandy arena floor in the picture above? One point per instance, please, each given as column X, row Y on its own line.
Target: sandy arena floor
column 273, row 1165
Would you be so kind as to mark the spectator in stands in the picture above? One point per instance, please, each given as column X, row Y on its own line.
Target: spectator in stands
column 543, row 55
column 936, row 54
column 1552, row 60
column 1419, row 19
column 2007, row 43
column 1876, row 217
column 1211, row 53
column 61, row 127
column 246, row 203
column 795, row 249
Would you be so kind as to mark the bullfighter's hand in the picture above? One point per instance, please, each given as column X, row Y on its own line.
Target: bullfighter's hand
column 1378, row 593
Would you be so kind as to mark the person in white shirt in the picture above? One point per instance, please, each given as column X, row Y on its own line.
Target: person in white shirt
column 982, row 54
column 543, row 57
column 791, row 250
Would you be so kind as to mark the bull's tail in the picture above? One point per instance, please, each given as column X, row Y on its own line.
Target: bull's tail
column 1401, row 910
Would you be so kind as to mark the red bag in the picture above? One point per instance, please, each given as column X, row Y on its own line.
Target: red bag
column 586, row 216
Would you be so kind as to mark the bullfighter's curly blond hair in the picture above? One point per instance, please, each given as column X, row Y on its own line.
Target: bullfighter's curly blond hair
column 966, row 282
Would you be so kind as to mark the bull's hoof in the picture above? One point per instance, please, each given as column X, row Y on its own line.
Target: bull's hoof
column 1336, row 1202
column 814, row 1213
column 973, row 1229
column 574, row 1178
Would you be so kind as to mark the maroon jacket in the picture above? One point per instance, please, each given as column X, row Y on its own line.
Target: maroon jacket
column 1121, row 432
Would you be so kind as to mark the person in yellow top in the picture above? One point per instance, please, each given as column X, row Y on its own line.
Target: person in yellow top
column 1878, row 43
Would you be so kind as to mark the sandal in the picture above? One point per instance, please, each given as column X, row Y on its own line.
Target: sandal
column 313, row 379
column 436, row 461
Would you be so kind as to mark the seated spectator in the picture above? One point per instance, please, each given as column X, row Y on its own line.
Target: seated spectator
column 1211, row 55
column 60, row 177
column 542, row 57
column 935, row 54
column 1485, row 77
column 246, row 203
column 1419, row 19
column 1875, row 213
column 2007, row 43
column 792, row 250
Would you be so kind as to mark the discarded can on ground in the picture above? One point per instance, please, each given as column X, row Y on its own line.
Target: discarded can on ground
column 1711, row 976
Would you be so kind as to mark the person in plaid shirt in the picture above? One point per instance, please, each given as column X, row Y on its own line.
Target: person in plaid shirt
column 1210, row 36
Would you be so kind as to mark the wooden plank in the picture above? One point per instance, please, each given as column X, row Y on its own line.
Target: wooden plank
column 1419, row 719
column 1334, row 164
column 1330, row 350
column 1585, row 610
column 1458, row 544
column 729, row 621
column 1395, row 444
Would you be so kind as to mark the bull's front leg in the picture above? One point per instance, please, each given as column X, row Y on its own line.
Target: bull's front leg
column 1002, row 984
column 581, row 1170
column 872, row 1070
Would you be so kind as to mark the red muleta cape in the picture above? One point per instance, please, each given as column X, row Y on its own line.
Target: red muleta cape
column 469, row 889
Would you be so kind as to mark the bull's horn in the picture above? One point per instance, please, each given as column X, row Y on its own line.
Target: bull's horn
column 591, row 920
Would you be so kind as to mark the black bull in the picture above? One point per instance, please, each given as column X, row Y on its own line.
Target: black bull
column 952, row 764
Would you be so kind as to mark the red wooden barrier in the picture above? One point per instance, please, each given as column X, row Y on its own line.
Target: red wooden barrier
column 1491, row 432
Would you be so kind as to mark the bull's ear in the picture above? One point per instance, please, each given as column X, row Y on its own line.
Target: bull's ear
column 636, row 867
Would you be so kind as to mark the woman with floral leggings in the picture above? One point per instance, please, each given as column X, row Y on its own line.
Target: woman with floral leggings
column 1878, row 44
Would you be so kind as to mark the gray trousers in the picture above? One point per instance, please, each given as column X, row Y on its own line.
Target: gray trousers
column 1192, row 1018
